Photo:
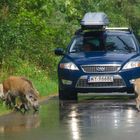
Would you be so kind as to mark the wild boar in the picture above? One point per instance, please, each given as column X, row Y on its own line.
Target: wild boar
column 21, row 87
column 137, row 92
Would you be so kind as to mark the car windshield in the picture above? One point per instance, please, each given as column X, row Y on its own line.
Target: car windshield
column 103, row 42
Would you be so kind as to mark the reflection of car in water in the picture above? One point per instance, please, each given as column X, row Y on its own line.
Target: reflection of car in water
column 95, row 119
column 110, row 65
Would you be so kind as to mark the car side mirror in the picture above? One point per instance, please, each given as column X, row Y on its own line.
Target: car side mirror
column 59, row 51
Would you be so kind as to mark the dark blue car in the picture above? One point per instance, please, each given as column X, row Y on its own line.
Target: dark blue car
column 98, row 60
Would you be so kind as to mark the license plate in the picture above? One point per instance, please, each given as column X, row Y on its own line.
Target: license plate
column 97, row 79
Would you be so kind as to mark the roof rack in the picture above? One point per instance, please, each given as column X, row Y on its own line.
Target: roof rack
column 79, row 31
column 119, row 28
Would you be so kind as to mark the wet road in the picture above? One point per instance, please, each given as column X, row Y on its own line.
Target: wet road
column 85, row 120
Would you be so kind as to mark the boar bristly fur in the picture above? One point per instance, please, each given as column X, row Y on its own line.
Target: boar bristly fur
column 20, row 87
column 137, row 92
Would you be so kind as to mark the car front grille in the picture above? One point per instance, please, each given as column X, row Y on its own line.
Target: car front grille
column 108, row 68
column 118, row 82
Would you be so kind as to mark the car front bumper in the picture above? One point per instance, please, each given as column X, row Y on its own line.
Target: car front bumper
column 78, row 81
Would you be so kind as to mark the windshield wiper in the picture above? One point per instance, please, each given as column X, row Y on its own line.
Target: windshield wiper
column 130, row 49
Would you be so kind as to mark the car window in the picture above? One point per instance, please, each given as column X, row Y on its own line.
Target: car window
column 85, row 44
column 111, row 43
column 120, row 43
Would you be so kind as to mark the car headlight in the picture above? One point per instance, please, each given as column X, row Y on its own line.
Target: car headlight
column 131, row 64
column 69, row 66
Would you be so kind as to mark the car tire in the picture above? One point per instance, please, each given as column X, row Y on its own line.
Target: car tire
column 68, row 95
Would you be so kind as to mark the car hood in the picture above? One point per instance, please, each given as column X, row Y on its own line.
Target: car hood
column 100, row 58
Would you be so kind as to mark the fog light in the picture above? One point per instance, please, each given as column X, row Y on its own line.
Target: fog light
column 132, row 81
column 66, row 82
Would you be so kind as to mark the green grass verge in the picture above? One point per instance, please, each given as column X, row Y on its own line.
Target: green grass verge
column 104, row 97
column 45, row 87
column 3, row 109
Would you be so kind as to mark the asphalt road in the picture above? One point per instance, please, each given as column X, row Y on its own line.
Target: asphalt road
column 84, row 120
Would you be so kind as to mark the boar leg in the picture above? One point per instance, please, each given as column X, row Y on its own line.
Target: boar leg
column 9, row 100
column 24, row 104
column 138, row 102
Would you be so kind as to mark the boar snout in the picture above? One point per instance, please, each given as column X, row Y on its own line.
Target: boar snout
column 36, row 107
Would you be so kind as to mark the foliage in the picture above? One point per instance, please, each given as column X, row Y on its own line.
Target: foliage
column 31, row 30
column 3, row 109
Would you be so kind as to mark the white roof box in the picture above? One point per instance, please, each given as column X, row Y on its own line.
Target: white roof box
column 94, row 20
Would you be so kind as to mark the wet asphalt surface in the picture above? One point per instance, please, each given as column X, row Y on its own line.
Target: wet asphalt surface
column 84, row 120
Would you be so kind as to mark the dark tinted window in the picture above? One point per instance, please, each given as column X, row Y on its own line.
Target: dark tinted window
column 103, row 42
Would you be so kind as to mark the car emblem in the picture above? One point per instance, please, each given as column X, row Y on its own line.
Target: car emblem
column 100, row 69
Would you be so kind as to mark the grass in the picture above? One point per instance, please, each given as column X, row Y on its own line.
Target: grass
column 46, row 87
column 3, row 109
column 105, row 97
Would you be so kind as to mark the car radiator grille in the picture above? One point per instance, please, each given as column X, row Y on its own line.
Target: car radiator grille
column 100, row 68
column 118, row 82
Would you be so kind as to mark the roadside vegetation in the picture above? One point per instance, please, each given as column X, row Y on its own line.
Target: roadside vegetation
column 3, row 109
column 30, row 30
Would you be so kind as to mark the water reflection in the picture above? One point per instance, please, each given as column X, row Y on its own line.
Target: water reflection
column 74, row 121
column 89, row 120
column 69, row 117
column 74, row 125
column 17, row 122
